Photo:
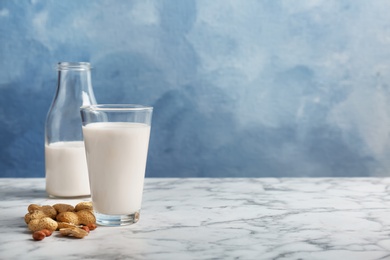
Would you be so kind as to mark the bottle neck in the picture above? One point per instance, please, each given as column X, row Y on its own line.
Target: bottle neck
column 74, row 83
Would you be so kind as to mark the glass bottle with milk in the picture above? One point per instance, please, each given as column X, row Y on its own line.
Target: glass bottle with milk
column 65, row 160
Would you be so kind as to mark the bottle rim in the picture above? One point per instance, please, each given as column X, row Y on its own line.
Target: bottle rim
column 73, row 65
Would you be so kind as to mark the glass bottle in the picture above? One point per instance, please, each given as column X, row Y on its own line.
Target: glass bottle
column 65, row 160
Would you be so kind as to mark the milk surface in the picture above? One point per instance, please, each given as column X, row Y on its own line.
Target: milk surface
column 66, row 169
column 116, row 155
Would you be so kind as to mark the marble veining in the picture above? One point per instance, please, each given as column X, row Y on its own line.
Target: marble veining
column 219, row 218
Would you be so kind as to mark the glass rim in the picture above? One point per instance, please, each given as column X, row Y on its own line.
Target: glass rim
column 116, row 107
column 65, row 65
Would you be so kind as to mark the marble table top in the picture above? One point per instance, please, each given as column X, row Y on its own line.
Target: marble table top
column 244, row 218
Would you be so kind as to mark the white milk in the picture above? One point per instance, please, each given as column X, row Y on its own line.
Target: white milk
column 116, row 155
column 66, row 169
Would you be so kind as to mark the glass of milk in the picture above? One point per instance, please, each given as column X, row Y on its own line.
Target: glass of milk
column 116, row 145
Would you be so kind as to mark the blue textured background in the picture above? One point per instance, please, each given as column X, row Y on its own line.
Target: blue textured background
column 240, row 88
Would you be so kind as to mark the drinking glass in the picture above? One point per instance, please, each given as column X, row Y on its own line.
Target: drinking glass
column 116, row 145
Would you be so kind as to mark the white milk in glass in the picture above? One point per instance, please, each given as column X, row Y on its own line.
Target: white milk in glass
column 116, row 155
column 66, row 169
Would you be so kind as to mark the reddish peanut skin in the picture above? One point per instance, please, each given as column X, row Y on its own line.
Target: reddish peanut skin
column 47, row 232
column 92, row 226
column 85, row 228
column 38, row 235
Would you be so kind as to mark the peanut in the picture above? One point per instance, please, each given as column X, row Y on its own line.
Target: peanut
column 47, row 232
column 86, row 228
column 33, row 207
column 38, row 235
column 82, row 217
column 68, row 217
column 86, row 217
column 36, row 212
column 65, row 225
column 63, row 207
column 92, row 226
column 43, row 223
column 75, row 232
column 70, row 221
column 83, row 205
